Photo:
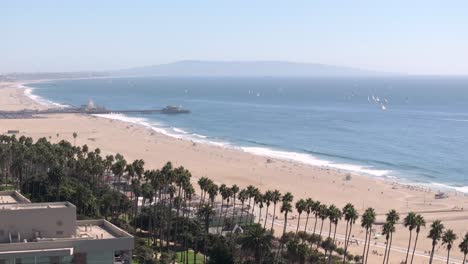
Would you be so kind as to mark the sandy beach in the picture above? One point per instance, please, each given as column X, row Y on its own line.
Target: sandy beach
column 231, row 166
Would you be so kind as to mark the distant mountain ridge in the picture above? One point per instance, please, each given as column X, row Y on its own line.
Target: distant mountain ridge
column 244, row 68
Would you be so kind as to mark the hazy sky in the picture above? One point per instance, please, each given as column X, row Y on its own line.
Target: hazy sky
column 420, row 37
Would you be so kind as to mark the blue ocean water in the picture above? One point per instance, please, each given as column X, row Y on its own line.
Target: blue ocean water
column 413, row 128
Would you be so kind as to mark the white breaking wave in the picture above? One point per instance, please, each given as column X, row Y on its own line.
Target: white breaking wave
column 28, row 91
column 311, row 160
column 463, row 189
column 160, row 128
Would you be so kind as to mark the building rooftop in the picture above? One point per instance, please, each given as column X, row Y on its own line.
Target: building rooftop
column 30, row 206
column 12, row 197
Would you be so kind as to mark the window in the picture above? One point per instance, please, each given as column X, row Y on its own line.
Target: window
column 59, row 233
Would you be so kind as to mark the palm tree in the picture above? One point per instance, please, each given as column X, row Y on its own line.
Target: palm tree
column 334, row 215
column 316, row 210
column 437, row 229
column 276, row 197
column 234, row 190
column 75, row 135
column 257, row 239
column 419, row 222
column 447, row 239
column 203, row 183
column 243, row 196
column 309, row 203
column 322, row 214
column 223, row 190
column 286, row 208
column 392, row 219
column 268, row 199
column 258, row 200
column 301, row 205
column 367, row 220
column 387, row 229
column 464, row 247
column 410, row 223
column 350, row 215
column 205, row 212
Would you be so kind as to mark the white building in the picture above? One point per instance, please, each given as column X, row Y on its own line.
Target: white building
column 42, row 233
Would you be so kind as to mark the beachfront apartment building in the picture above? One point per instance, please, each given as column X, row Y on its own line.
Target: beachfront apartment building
column 43, row 233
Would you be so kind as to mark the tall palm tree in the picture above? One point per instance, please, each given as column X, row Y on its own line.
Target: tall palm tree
column 258, row 240
column 447, row 239
column 243, row 196
column 392, row 219
column 410, row 223
column 268, row 199
column 276, row 197
column 259, row 202
column 419, row 222
column 387, row 229
column 301, row 205
column 435, row 234
column 309, row 202
column 205, row 212
column 316, row 210
column 350, row 216
column 334, row 215
column 203, row 183
column 464, row 247
column 367, row 221
column 286, row 208
column 251, row 194
column 234, row 190
column 223, row 190
column 322, row 214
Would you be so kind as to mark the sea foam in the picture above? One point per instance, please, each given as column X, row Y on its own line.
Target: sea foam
column 314, row 161
column 28, row 92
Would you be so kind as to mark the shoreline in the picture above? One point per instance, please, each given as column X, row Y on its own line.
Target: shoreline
column 270, row 153
column 229, row 166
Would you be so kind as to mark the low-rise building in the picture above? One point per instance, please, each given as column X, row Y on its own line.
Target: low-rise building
column 33, row 233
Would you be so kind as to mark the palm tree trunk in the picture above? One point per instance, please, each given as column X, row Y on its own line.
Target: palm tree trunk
column 259, row 214
column 329, row 229
column 274, row 215
column 242, row 212
column 409, row 245
column 414, row 248
column 266, row 216
column 448, row 256
column 285, row 223
column 368, row 243
column 464, row 259
column 297, row 227
column 307, row 221
column 432, row 253
column 347, row 236
column 334, row 234
column 220, row 216
column 365, row 244
column 385, row 253
column 315, row 224
column 389, row 247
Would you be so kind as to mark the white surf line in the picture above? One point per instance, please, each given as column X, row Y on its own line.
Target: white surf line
column 341, row 237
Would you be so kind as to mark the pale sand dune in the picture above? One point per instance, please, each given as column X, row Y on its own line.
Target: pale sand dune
column 233, row 166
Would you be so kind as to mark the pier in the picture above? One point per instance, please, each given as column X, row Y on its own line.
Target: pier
column 89, row 109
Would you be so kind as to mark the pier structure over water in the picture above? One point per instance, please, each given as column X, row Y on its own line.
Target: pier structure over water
column 90, row 109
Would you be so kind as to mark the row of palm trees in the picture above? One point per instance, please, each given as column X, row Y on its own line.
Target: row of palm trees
column 322, row 212
column 46, row 171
